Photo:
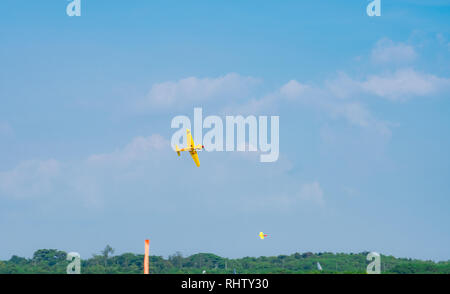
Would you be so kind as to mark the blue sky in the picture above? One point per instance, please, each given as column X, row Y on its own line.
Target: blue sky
column 363, row 101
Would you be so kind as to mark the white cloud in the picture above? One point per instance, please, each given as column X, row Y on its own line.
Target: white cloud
column 193, row 90
column 342, row 96
column 388, row 52
column 29, row 178
column 326, row 100
column 357, row 114
column 253, row 106
column 87, row 179
column 354, row 112
column 312, row 192
column 140, row 148
column 307, row 194
column 343, row 86
column 403, row 84
column 443, row 41
column 293, row 89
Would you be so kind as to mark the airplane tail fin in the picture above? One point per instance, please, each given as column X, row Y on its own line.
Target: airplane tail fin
column 177, row 149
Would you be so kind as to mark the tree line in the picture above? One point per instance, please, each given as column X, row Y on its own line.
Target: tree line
column 53, row 261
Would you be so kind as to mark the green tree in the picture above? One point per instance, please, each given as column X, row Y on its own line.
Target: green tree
column 106, row 253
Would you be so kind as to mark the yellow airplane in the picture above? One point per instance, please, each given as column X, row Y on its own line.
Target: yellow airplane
column 262, row 235
column 191, row 147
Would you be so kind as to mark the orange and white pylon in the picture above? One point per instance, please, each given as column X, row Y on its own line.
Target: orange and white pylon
column 146, row 255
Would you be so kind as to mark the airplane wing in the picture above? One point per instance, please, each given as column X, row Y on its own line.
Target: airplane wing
column 195, row 158
column 189, row 139
column 191, row 147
